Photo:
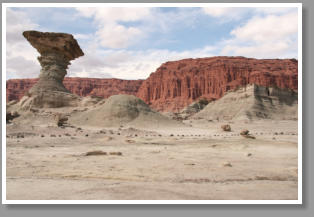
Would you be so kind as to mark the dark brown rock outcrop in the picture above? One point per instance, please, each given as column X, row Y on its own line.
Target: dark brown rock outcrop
column 177, row 84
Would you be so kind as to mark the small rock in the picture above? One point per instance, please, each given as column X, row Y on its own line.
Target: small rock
column 226, row 127
column 249, row 154
column 116, row 153
column 227, row 164
column 90, row 153
column 244, row 132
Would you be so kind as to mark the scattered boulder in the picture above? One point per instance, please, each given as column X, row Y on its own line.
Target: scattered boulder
column 226, row 127
column 10, row 116
column 227, row 164
column 116, row 153
column 93, row 153
column 244, row 132
column 60, row 119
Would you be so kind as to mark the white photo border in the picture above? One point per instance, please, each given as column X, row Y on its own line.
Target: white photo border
column 296, row 5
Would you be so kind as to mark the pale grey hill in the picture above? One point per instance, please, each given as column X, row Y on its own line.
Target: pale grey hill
column 126, row 110
column 251, row 103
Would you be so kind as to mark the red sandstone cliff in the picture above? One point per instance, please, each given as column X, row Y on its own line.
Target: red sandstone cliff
column 16, row 88
column 176, row 84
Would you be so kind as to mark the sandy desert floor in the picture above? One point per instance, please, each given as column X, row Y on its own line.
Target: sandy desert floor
column 196, row 162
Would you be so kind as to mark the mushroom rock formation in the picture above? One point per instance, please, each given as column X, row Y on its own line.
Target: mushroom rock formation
column 56, row 50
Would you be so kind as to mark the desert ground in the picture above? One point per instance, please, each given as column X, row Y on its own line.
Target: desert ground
column 194, row 161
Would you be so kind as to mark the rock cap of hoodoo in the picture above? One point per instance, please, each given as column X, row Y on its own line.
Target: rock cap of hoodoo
column 51, row 42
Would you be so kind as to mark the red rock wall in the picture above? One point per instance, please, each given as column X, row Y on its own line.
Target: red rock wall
column 16, row 88
column 176, row 84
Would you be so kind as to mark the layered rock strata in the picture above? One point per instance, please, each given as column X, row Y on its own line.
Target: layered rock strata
column 253, row 102
column 177, row 84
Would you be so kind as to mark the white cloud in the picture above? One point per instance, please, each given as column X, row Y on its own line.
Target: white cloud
column 127, row 64
column 114, row 14
column 222, row 11
column 118, row 36
column 20, row 55
column 269, row 28
column 274, row 10
column 111, row 33
column 226, row 14
column 271, row 36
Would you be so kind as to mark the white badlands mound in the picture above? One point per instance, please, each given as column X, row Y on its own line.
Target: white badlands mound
column 251, row 103
column 122, row 110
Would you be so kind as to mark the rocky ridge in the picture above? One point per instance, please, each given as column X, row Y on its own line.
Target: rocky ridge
column 177, row 84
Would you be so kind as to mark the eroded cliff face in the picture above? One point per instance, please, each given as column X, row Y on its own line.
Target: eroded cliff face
column 16, row 88
column 176, row 84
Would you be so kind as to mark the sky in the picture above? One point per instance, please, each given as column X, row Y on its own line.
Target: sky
column 131, row 43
